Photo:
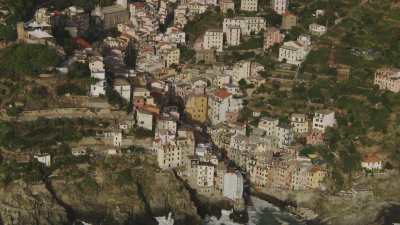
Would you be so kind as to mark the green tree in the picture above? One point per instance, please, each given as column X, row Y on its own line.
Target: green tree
column 131, row 56
column 7, row 33
column 27, row 59
column 20, row 10
column 79, row 71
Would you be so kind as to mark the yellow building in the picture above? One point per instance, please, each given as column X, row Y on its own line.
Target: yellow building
column 316, row 177
column 196, row 108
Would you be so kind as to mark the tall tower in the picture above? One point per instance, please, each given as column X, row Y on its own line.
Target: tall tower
column 123, row 3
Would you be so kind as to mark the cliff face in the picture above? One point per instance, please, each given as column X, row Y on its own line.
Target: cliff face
column 114, row 191
column 29, row 204
column 372, row 196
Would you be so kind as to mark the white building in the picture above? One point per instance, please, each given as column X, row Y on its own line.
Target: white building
column 316, row 29
column 213, row 39
column 96, row 63
column 117, row 139
column 98, row 88
column 163, row 220
column 280, row 6
column 293, row 52
column 249, row 5
column 123, row 88
column 241, row 70
column 233, row 36
column 371, row 162
column 205, row 174
column 221, row 105
column 233, row 186
column 247, row 25
column 268, row 124
column 227, row 5
column 44, row 159
column 168, row 124
column 388, row 79
column 171, row 56
column 169, row 156
column 323, row 120
column 299, row 123
column 176, row 35
column 144, row 119
column 282, row 134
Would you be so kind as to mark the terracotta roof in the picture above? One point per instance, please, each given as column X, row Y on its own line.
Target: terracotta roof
column 222, row 93
column 151, row 109
column 287, row 13
column 83, row 44
column 371, row 157
column 315, row 169
column 138, row 4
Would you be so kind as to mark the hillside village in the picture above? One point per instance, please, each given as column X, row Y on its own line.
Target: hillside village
column 236, row 98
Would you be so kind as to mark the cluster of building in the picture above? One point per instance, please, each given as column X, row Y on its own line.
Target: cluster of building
column 269, row 154
column 197, row 163
column 142, row 64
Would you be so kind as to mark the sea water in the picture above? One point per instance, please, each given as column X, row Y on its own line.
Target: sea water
column 262, row 213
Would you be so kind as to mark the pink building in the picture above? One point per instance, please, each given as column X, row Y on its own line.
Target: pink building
column 388, row 79
column 272, row 36
column 315, row 138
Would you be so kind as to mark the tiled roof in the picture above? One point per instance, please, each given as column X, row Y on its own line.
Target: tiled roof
column 222, row 93
column 371, row 157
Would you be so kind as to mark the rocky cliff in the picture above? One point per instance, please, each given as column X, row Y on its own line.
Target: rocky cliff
column 21, row 203
column 111, row 191
column 364, row 204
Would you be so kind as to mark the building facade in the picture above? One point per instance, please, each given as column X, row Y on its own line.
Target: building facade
column 196, row 108
column 280, row 6
column 323, row 120
column 233, row 36
column 388, row 79
column 299, row 123
column 249, row 5
column 293, row 52
column 233, row 186
column 213, row 39
column 272, row 36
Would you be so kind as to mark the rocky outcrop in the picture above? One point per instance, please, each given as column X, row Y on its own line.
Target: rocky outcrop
column 364, row 204
column 125, row 191
column 112, row 191
column 21, row 203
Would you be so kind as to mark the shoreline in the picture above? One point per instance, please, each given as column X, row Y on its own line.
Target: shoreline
column 286, row 206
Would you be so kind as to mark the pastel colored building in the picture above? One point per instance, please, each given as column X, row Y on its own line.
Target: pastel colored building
column 299, row 123
column 280, row 6
column 233, row 36
column 388, row 79
column 233, row 186
column 272, row 36
column 371, row 161
column 293, row 52
column 316, row 29
column 197, row 108
column 213, row 39
column 249, row 5
column 323, row 119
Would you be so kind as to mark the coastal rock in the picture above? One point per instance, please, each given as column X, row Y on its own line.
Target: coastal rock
column 21, row 203
column 126, row 191
column 112, row 191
